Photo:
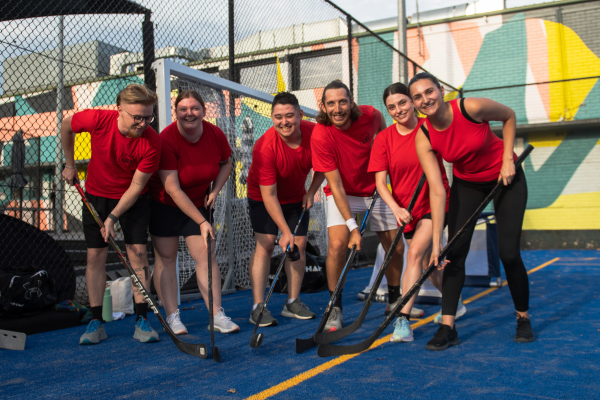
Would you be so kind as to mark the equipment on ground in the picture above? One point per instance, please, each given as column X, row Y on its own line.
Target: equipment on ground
column 12, row 340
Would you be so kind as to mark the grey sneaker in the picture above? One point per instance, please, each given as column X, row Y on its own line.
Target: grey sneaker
column 414, row 312
column 94, row 333
column 224, row 324
column 267, row 318
column 297, row 309
column 144, row 332
column 460, row 311
column 335, row 320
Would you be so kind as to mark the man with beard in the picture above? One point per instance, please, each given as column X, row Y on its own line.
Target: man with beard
column 341, row 147
column 125, row 154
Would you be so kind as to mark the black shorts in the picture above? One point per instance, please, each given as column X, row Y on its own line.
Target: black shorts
column 134, row 221
column 263, row 223
column 409, row 235
column 168, row 221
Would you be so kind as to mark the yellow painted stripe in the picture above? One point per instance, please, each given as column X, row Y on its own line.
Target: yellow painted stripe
column 272, row 391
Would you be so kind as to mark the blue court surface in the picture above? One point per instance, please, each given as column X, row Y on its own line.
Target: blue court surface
column 564, row 361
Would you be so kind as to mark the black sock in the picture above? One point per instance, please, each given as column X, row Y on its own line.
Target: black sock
column 338, row 301
column 141, row 310
column 97, row 313
column 393, row 293
column 407, row 316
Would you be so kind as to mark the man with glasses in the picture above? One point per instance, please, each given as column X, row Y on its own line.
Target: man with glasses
column 125, row 152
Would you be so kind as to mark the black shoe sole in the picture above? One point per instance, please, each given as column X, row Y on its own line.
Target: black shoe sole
column 444, row 347
column 519, row 339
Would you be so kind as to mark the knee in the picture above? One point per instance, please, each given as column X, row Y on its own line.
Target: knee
column 137, row 251
column 511, row 260
column 414, row 256
column 337, row 246
column 265, row 248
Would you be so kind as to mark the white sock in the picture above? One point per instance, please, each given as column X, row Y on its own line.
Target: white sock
column 290, row 301
column 254, row 306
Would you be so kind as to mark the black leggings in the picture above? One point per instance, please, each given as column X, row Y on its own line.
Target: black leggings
column 509, row 206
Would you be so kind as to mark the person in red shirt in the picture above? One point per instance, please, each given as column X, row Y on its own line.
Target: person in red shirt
column 341, row 147
column 125, row 154
column 195, row 154
column 281, row 161
column 459, row 131
column 394, row 154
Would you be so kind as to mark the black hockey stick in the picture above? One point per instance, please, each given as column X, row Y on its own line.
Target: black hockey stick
column 329, row 350
column 256, row 340
column 198, row 350
column 329, row 337
column 216, row 355
column 305, row 344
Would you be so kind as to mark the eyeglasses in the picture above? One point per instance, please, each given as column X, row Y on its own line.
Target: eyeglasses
column 139, row 119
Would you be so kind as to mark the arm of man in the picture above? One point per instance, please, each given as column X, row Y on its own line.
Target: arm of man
column 224, row 171
column 269, row 196
column 482, row 109
column 437, row 192
column 67, row 137
column 402, row 216
column 309, row 197
column 139, row 181
column 336, row 186
column 382, row 124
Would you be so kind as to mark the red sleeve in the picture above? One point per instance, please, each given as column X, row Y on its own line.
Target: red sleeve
column 223, row 143
column 323, row 155
column 168, row 157
column 379, row 160
column 266, row 166
column 84, row 121
column 376, row 119
column 151, row 160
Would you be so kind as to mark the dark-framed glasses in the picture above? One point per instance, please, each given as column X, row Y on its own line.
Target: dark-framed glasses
column 138, row 119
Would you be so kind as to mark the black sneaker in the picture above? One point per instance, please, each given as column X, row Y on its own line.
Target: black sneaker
column 524, row 331
column 443, row 338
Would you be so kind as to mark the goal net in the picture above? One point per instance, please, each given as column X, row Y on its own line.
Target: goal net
column 243, row 114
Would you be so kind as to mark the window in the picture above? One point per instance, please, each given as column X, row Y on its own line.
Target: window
column 317, row 68
column 260, row 77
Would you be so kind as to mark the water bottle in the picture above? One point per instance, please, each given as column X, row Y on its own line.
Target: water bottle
column 107, row 306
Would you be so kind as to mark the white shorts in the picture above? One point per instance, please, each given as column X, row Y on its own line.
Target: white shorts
column 382, row 218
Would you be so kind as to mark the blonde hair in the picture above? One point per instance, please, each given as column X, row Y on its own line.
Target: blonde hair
column 136, row 94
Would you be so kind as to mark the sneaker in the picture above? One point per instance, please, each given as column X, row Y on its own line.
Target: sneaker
column 335, row 320
column 460, row 311
column 414, row 312
column 144, row 332
column 266, row 320
column 402, row 331
column 175, row 324
column 224, row 324
column 297, row 309
column 94, row 333
column 443, row 338
column 524, row 330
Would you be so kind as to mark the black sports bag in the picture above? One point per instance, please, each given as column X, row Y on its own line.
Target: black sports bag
column 25, row 291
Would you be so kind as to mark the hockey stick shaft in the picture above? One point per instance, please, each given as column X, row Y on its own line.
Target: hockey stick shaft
column 198, row 350
column 329, row 337
column 216, row 354
column 329, row 350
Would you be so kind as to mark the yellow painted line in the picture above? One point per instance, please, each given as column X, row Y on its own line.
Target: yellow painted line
column 285, row 385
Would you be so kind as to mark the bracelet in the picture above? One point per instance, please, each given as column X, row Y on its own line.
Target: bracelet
column 205, row 220
column 113, row 218
column 351, row 224
column 73, row 167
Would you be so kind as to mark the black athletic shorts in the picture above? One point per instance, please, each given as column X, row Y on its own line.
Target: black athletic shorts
column 168, row 221
column 263, row 223
column 409, row 235
column 134, row 221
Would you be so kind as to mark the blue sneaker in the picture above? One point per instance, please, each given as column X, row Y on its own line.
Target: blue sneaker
column 402, row 331
column 144, row 332
column 94, row 333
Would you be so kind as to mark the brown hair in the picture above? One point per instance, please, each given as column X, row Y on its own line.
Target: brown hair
column 323, row 118
column 136, row 94
column 186, row 94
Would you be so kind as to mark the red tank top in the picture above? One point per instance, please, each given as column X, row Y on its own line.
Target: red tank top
column 473, row 149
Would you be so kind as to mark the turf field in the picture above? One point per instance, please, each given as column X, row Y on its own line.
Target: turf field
column 564, row 361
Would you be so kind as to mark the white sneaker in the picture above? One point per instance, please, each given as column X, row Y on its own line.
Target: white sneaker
column 460, row 311
column 175, row 324
column 223, row 323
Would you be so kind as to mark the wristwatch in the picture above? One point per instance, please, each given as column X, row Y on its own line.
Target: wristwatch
column 113, row 218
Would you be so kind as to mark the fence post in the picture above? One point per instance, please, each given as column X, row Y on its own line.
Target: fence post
column 58, row 160
column 351, row 77
column 402, row 42
column 148, row 51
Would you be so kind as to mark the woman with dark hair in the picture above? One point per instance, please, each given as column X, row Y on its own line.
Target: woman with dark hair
column 394, row 154
column 459, row 131
column 195, row 154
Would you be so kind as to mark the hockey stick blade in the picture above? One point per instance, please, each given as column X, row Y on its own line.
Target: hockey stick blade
column 329, row 350
column 330, row 337
column 196, row 350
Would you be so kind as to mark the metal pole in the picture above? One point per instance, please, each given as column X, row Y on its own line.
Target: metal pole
column 231, row 184
column 402, row 42
column 58, row 182
column 350, row 70
column 231, row 42
column 148, row 52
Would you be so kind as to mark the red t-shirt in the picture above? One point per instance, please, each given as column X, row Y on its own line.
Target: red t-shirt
column 397, row 154
column 472, row 148
column 274, row 162
column 348, row 151
column 115, row 158
column 197, row 164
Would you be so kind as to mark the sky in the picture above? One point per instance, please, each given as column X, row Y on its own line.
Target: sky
column 370, row 10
